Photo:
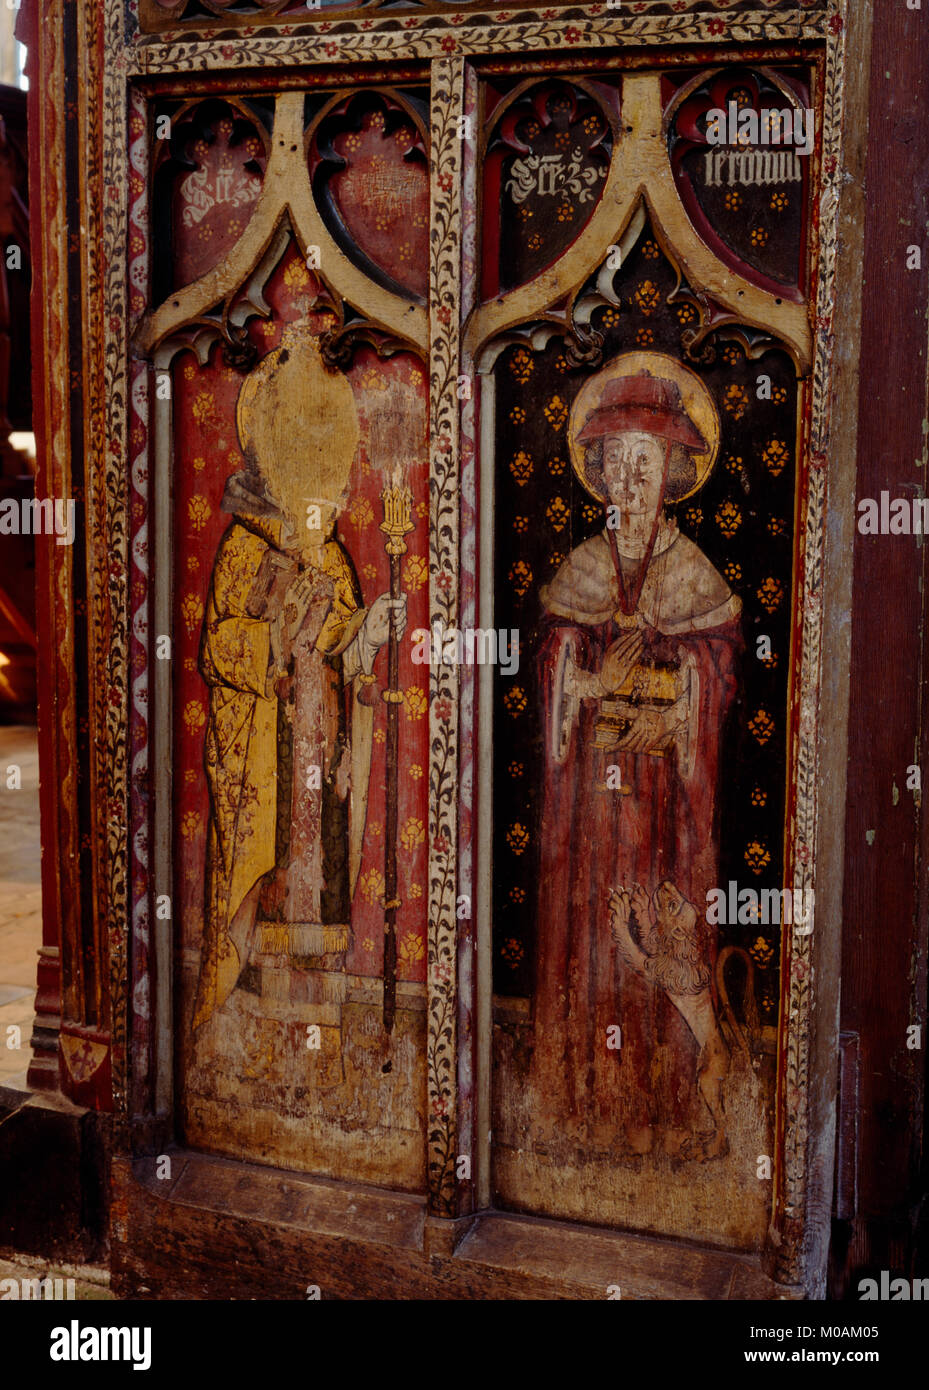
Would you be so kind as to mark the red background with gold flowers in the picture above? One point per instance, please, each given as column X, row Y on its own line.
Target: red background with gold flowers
column 206, row 452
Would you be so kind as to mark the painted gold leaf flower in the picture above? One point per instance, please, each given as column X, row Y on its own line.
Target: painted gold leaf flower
column 416, row 890
column 770, row 593
column 558, row 513
column 414, row 702
column 203, row 408
column 757, row 857
column 522, row 365
column 413, row 833
column 411, row 949
column 371, row 884
column 650, row 250
column 556, row 412
column 521, row 467
column 694, row 515
column 372, row 380
column 762, row 952
column 728, row 518
column 761, row 726
column 759, row 797
column 190, row 824
column 516, row 769
column 296, row 276
column 777, row 526
column 520, row 576
column 648, row 297
column 362, row 513
column 735, row 401
column 779, row 201
column 759, row 237
column 198, row 512
column 686, row 313
column 515, row 700
column 521, row 524
column 556, row 467
column 512, row 951
column 416, row 771
column 192, row 610
column 194, row 716
column 517, row 837
column 645, row 337
column 415, row 572
column 517, row 894
column 775, row 456
column 518, row 415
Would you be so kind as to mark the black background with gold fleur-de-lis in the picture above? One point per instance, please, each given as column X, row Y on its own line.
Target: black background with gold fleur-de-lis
column 742, row 519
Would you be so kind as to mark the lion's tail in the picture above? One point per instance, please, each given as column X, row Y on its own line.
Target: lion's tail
column 746, row 1037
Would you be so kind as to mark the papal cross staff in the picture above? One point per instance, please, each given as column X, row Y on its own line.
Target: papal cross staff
column 397, row 523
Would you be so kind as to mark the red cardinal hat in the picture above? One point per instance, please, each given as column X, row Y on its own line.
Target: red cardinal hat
column 643, row 402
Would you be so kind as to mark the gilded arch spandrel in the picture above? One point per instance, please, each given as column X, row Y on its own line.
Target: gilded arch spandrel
column 640, row 172
column 285, row 194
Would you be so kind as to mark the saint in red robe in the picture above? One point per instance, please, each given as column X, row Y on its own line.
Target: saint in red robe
column 613, row 817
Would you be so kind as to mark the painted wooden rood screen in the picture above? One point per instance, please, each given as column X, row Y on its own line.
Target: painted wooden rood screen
column 457, row 536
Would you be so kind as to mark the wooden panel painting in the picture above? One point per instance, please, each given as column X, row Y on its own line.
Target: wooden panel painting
column 645, row 499
column 300, row 723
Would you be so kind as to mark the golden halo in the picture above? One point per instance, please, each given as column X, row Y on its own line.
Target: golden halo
column 697, row 400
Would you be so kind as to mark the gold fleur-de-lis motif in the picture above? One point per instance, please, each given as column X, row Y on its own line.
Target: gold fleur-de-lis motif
column 520, row 577
column 762, row 952
column 522, row 365
column 517, row 837
column 558, row 513
column 521, row 467
column 647, row 297
column 757, row 856
column 556, row 412
column 775, row 456
column 761, row 726
column 728, row 518
column 770, row 593
column 735, row 401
